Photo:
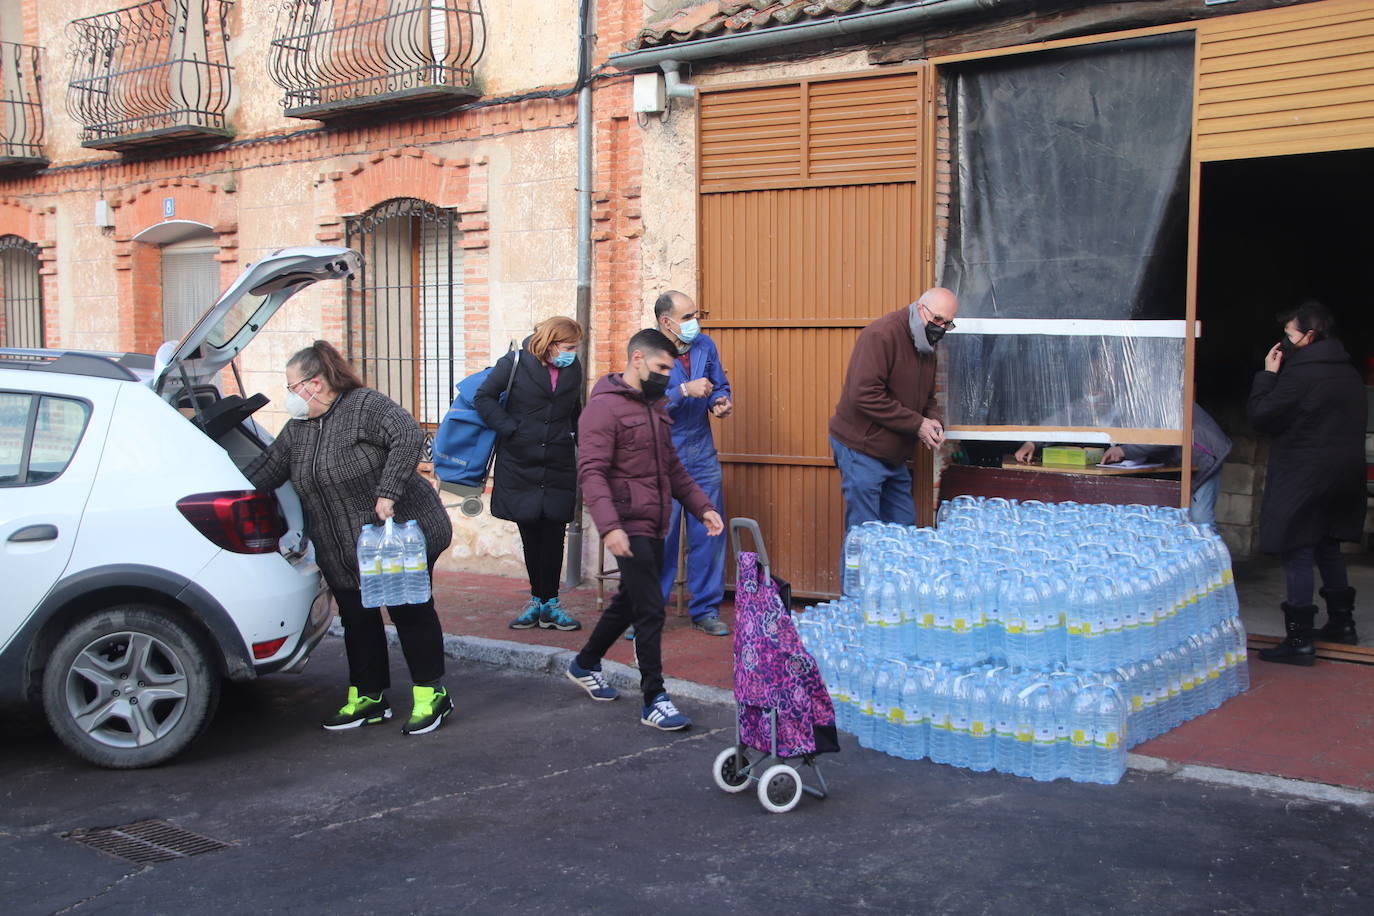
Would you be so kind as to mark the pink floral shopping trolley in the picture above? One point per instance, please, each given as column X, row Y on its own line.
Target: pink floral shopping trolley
column 783, row 709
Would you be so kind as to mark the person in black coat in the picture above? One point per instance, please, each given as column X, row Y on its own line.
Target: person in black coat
column 1310, row 400
column 536, row 456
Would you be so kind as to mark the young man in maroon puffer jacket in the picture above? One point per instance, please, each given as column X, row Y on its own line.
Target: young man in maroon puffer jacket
column 630, row 473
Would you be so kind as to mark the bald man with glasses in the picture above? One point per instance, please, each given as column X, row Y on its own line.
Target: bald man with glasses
column 887, row 406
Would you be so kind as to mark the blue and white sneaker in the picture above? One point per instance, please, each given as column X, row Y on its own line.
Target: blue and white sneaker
column 529, row 617
column 663, row 715
column 553, row 617
column 594, row 682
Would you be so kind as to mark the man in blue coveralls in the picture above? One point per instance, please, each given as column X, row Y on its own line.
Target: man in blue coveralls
column 698, row 389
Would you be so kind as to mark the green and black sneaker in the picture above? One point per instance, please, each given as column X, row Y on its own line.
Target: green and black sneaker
column 429, row 710
column 358, row 711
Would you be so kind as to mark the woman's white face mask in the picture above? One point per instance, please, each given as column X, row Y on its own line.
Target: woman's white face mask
column 297, row 407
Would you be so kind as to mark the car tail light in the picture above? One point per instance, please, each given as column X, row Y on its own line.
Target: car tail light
column 268, row 649
column 244, row 521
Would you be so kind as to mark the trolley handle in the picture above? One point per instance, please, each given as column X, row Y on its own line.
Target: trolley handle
column 748, row 524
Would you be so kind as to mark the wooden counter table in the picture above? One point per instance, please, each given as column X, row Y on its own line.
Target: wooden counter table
column 1013, row 480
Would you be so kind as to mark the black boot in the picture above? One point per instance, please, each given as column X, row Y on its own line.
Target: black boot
column 1340, row 616
column 1297, row 648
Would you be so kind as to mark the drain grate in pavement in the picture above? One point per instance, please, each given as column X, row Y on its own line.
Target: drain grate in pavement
column 146, row 842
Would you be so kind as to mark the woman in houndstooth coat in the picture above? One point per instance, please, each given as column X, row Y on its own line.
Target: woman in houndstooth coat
column 351, row 454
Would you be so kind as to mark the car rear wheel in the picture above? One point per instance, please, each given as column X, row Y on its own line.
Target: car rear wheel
column 129, row 687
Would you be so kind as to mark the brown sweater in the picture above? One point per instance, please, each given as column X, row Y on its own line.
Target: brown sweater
column 889, row 389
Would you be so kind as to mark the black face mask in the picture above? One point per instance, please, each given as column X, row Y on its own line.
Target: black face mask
column 934, row 332
column 1287, row 347
column 654, row 386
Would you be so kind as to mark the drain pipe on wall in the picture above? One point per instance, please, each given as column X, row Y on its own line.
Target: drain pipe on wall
column 572, row 576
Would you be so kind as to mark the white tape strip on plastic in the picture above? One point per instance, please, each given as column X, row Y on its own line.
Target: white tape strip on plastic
column 1028, row 435
column 1076, row 327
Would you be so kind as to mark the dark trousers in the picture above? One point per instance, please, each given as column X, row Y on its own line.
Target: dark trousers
column 1297, row 570
column 543, row 543
column 638, row 601
column 417, row 625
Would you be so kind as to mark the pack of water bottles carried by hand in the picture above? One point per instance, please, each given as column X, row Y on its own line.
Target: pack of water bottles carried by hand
column 1038, row 639
column 393, row 566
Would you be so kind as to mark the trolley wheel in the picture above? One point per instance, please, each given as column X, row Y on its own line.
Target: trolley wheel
column 780, row 788
column 727, row 768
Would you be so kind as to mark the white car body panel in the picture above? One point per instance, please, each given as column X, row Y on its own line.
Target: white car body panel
column 29, row 570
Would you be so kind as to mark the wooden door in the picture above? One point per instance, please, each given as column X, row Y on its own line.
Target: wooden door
column 812, row 224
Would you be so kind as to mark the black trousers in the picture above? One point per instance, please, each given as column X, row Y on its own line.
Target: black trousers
column 417, row 625
column 543, row 543
column 1297, row 570
column 638, row 601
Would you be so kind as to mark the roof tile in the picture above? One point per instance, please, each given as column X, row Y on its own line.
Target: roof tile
column 736, row 16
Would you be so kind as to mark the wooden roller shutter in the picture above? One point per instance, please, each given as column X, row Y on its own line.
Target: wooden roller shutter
column 811, row 225
column 1295, row 80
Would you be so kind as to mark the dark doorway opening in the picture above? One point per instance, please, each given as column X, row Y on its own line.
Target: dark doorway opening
column 1274, row 232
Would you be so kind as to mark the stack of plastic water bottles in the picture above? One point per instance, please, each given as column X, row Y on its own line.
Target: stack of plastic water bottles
column 393, row 565
column 1036, row 639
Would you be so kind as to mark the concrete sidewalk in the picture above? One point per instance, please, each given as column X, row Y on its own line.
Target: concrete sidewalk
column 1313, row 724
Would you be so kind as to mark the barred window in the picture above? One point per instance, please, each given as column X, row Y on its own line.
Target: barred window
column 404, row 311
column 21, row 294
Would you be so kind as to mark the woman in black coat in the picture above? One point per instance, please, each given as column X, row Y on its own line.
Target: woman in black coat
column 536, row 457
column 1310, row 400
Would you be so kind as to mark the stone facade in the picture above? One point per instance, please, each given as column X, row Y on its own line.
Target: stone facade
column 506, row 166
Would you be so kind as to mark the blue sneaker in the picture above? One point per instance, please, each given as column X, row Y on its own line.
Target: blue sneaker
column 553, row 617
column 663, row 715
column 630, row 632
column 711, row 624
column 594, row 682
column 529, row 617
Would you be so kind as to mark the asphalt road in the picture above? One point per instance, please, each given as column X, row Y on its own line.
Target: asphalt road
column 536, row 800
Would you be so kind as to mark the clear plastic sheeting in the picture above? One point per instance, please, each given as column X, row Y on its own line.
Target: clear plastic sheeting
column 1030, row 380
column 1071, row 180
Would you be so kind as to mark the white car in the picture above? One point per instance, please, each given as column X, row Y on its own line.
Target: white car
column 139, row 566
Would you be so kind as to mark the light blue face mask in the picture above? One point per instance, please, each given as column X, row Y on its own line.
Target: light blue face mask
column 687, row 331
column 564, row 359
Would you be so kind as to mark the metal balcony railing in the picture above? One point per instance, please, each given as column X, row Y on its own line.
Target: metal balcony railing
column 21, row 114
column 155, row 72
column 334, row 57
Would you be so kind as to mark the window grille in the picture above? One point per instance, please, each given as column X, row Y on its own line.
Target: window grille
column 404, row 310
column 21, row 293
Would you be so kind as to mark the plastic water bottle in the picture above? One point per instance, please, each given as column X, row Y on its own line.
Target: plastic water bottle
column 915, row 707
column 961, row 644
column 981, row 723
column 840, row 696
column 1082, row 725
column 960, row 717
column 940, row 642
column 1238, row 647
column 1011, row 609
column 1042, row 763
column 890, row 599
column 416, row 563
column 870, row 602
column 393, row 566
column 940, row 735
column 866, row 729
column 853, row 556
column 1064, row 687
column 1109, row 748
column 1004, row 726
column 370, row 566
